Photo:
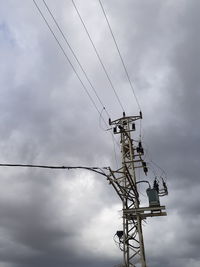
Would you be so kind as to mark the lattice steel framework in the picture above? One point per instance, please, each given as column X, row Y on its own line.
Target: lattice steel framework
column 125, row 184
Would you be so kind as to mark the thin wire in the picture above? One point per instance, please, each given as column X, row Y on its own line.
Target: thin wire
column 75, row 56
column 154, row 163
column 100, row 117
column 71, row 63
column 62, row 49
column 94, row 169
column 64, row 53
column 122, row 61
column 120, row 55
column 100, row 60
column 163, row 171
column 152, row 169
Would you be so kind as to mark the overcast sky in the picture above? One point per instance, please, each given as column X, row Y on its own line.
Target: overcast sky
column 68, row 218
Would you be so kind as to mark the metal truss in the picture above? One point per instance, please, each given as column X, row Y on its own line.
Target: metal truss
column 124, row 182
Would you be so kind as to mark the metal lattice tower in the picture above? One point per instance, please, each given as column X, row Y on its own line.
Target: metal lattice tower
column 125, row 184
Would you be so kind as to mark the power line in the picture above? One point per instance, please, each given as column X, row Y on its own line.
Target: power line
column 120, row 55
column 72, row 51
column 67, row 58
column 94, row 169
column 80, row 65
column 148, row 154
column 97, row 54
column 122, row 61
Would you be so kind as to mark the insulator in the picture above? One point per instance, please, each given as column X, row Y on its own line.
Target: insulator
column 115, row 130
column 120, row 234
column 156, row 185
column 109, row 121
column 144, row 164
column 133, row 126
column 140, row 114
column 145, row 170
column 120, row 127
column 124, row 114
column 141, row 150
column 165, row 187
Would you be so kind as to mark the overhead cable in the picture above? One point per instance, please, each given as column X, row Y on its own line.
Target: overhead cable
column 98, row 56
column 75, row 56
column 94, row 169
column 120, row 55
column 67, row 58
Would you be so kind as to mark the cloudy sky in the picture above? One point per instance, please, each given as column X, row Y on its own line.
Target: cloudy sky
column 51, row 218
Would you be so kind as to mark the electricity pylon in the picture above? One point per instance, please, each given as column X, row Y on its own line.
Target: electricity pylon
column 125, row 183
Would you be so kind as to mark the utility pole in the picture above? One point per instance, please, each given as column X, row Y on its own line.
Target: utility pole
column 125, row 183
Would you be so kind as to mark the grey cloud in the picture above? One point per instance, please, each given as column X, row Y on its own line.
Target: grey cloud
column 47, row 118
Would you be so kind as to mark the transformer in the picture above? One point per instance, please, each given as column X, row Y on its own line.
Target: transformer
column 153, row 197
